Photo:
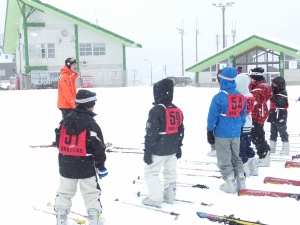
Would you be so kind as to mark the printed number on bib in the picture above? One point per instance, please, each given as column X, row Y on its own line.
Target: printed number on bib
column 236, row 104
column 250, row 104
column 173, row 120
column 74, row 145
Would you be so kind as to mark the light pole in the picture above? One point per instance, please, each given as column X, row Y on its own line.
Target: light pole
column 223, row 6
column 151, row 69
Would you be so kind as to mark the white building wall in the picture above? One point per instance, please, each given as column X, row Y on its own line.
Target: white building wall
column 6, row 58
column 65, row 47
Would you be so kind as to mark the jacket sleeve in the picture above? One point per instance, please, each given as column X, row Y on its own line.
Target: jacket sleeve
column 57, row 134
column 96, row 142
column 152, row 128
column 65, row 83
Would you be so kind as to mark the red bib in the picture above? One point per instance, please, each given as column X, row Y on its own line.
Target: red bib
column 74, row 145
column 250, row 104
column 173, row 120
column 236, row 104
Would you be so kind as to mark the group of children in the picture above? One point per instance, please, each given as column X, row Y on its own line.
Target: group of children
column 236, row 117
column 230, row 130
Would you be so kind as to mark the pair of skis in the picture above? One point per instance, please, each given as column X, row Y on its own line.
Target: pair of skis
column 227, row 219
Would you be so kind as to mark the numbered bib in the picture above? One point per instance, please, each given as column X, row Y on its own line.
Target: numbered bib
column 236, row 104
column 74, row 145
column 173, row 120
column 250, row 104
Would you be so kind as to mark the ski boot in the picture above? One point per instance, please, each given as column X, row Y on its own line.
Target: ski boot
column 230, row 185
column 170, row 193
column 273, row 146
column 212, row 152
column 285, row 148
column 246, row 168
column 149, row 202
column 94, row 217
column 253, row 167
column 61, row 217
column 240, row 181
column 265, row 162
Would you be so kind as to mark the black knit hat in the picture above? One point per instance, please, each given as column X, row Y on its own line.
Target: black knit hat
column 69, row 62
column 85, row 99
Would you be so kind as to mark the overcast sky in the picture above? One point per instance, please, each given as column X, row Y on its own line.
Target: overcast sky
column 153, row 24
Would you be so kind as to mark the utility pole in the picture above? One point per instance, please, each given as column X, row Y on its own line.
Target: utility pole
column 233, row 32
column 223, row 7
column 135, row 72
column 217, row 42
column 197, row 33
column 181, row 32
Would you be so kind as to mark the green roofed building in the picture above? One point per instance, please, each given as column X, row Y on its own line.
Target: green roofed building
column 42, row 37
column 278, row 58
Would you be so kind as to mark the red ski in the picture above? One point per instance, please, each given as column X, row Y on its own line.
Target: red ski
column 290, row 164
column 274, row 180
column 252, row 192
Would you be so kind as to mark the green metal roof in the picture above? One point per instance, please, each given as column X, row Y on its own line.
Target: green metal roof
column 13, row 16
column 245, row 45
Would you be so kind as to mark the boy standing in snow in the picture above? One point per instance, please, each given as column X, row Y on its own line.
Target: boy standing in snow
column 262, row 93
column 278, row 115
column 81, row 159
column 212, row 152
column 246, row 151
column 163, row 141
column 226, row 118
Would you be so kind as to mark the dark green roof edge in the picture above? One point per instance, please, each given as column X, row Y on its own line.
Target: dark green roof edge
column 241, row 47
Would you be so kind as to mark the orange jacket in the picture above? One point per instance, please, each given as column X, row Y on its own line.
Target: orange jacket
column 66, row 89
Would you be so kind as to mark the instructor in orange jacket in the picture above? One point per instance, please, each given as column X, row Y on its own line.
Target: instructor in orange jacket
column 67, row 87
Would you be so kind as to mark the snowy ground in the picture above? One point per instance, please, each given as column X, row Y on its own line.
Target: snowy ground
column 29, row 176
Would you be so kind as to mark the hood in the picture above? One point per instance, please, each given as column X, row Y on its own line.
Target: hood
column 163, row 92
column 78, row 120
column 227, row 84
column 242, row 84
column 280, row 82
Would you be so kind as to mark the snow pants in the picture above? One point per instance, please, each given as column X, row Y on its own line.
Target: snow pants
column 229, row 161
column 89, row 188
column 281, row 129
column 258, row 139
column 151, row 175
column 246, row 151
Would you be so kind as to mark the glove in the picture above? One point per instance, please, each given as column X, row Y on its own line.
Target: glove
column 210, row 137
column 262, row 154
column 179, row 154
column 148, row 158
column 102, row 173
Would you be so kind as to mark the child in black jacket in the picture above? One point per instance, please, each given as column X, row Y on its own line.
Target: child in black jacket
column 278, row 115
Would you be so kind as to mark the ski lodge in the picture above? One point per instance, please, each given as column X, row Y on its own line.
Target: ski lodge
column 277, row 57
column 41, row 37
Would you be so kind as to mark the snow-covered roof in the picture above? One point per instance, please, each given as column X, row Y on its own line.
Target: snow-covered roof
column 255, row 40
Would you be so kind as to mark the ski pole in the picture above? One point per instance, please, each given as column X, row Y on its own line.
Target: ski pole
column 49, row 204
column 139, row 194
column 109, row 150
column 179, row 184
column 200, row 175
column 198, row 169
column 296, row 157
column 138, row 149
column 51, row 213
column 145, row 207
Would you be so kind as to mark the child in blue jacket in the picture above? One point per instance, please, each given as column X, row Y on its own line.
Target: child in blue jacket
column 225, row 120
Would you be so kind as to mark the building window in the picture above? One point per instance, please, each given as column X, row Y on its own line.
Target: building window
column 6, row 56
column 86, row 49
column 42, row 51
column 51, row 50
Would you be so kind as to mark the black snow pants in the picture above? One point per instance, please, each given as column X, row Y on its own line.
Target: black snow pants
column 258, row 139
column 281, row 129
